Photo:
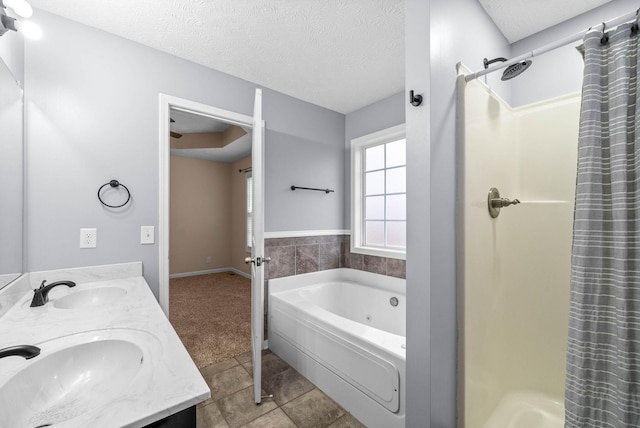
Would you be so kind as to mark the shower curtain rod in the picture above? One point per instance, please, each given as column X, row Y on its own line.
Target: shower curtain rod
column 551, row 46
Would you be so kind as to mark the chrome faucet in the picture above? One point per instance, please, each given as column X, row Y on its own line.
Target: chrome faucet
column 41, row 294
column 26, row 351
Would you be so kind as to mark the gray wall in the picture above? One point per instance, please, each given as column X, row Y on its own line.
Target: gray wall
column 291, row 160
column 418, row 129
column 303, row 148
column 559, row 72
column 439, row 34
column 374, row 117
column 92, row 103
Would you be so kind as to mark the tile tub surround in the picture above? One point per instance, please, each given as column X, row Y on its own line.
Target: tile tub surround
column 299, row 255
column 175, row 383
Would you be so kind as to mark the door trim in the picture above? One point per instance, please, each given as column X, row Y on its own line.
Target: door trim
column 165, row 104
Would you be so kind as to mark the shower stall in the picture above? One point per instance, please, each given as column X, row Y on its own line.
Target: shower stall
column 514, row 267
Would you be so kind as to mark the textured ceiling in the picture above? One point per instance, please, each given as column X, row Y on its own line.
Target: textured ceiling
column 518, row 19
column 339, row 54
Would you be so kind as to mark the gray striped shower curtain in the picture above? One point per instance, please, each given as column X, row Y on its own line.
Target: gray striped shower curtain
column 603, row 355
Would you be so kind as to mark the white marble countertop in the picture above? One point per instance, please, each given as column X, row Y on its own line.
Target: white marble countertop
column 171, row 382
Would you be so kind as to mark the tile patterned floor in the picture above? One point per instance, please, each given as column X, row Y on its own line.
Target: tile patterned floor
column 296, row 402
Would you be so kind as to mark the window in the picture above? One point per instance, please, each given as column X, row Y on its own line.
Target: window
column 378, row 203
column 249, row 181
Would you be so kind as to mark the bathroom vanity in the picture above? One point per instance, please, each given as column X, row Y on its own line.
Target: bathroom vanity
column 108, row 355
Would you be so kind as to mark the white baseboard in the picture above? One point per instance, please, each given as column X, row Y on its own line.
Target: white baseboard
column 208, row 271
column 239, row 272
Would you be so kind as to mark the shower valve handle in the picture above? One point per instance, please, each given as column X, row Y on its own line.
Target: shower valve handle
column 495, row 202
column 503, row 202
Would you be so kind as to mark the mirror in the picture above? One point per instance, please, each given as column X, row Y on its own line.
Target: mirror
column 11, row 177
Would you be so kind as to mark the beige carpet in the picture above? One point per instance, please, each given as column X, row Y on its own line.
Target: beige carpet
column 212, row 315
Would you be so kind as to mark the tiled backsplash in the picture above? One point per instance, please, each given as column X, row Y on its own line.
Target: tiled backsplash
column 294, row 256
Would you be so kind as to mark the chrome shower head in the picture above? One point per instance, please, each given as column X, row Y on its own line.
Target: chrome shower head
column 515, row 69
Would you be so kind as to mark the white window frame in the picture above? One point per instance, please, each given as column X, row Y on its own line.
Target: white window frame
column 358, row 146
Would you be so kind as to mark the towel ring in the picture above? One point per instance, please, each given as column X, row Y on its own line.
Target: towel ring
column 114, row 183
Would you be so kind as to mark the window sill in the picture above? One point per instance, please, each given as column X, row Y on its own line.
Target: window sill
column 380, row 252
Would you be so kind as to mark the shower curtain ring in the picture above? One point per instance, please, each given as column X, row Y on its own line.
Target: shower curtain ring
column 605, row 39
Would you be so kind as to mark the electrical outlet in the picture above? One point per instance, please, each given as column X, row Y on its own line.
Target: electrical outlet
column 146, row 235
column 208, row 260
column 88, row 238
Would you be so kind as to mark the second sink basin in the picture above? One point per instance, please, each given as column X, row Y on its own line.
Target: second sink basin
column 70, row 379
column 89, row 298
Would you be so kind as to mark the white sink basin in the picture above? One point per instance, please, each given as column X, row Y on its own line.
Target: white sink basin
column 70, row 379
column 89, row 298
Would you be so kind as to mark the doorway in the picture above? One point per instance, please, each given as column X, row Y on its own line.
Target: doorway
column 205, row 286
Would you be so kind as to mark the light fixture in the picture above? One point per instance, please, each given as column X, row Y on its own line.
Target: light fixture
column 29, row 29
column 20, row 7
column 23, row 10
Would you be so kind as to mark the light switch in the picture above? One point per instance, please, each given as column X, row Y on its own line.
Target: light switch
column 146, row 235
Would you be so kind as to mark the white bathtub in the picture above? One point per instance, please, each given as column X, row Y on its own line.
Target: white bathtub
column 339, row 329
